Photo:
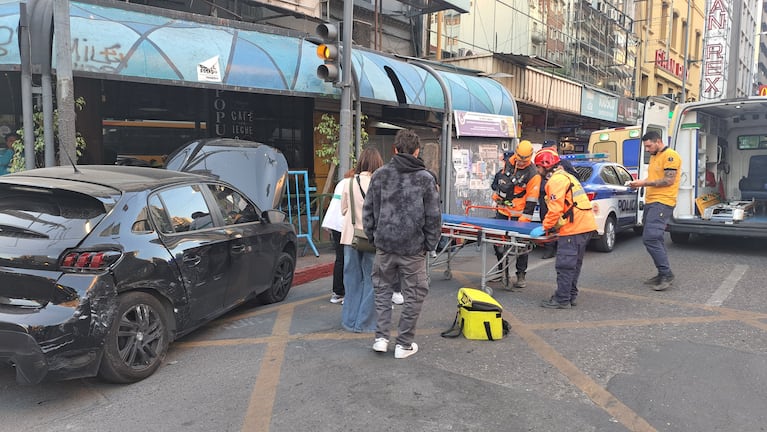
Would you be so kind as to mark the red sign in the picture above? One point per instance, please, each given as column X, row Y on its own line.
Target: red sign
column 663, row 61
column 763, row 90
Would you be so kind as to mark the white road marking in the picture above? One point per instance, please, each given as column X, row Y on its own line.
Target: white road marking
column 724, row 290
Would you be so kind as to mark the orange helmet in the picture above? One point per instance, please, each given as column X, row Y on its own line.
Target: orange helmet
column 546, row 158
column 524, row 150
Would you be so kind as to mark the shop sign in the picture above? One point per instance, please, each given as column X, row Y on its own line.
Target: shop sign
column 599, row 105
column 663, row 61
column 715, row 49
column 469, row 123
column 232, row 117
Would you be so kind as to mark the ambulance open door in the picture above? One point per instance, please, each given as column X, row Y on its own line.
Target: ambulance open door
column 657, row 117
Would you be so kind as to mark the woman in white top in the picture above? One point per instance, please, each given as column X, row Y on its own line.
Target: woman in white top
column 333, row 222
column 358, row 313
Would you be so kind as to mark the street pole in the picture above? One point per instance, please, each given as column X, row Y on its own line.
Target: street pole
column 64, row 84
column 345, row 116
column 686, row 54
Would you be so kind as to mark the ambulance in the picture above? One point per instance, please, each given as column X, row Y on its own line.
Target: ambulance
column 723, row 187
column 623, row 145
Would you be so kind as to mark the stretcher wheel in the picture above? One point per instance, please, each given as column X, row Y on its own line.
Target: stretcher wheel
column 448, row 274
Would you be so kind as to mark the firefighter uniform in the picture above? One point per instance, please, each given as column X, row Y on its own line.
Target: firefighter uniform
column 517, row 188
column 570, row 215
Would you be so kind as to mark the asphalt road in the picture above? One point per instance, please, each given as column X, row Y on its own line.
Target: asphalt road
column 693, row 358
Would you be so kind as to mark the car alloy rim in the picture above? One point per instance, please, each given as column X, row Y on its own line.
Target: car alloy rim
column 139, row 335
column 610, row 234
column 283, row 276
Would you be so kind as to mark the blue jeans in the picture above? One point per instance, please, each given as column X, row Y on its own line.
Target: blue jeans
column 358, row 313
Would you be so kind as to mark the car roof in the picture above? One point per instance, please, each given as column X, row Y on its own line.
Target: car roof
column 120, row 178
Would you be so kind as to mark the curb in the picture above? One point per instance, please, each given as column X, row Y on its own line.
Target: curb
column 308, row 274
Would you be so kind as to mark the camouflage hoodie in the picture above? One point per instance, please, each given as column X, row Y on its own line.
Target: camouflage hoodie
column 401, row 214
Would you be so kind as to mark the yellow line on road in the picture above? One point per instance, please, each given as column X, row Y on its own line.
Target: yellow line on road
column 598, row 394
column 259, row 414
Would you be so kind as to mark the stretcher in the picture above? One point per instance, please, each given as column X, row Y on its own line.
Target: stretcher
column 513, row 237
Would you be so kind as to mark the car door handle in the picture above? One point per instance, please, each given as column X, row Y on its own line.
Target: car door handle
column 192, row 260
column 238, row 249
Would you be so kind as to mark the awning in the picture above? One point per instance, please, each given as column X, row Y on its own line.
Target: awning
column 10, row 58
column 142, row 46
column 395, row 80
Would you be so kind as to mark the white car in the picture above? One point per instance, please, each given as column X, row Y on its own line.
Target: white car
column 613, row 203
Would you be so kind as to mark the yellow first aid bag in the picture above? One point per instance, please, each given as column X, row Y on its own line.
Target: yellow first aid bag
column 478, row 317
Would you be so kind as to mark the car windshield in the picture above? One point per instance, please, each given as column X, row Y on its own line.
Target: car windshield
column 38, row 213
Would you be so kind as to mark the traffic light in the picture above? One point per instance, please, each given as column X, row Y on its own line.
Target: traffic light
column 329, row 51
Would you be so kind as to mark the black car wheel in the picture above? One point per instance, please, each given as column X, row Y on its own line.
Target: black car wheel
column 680, row 237
column 137, row 341
column 281, row 280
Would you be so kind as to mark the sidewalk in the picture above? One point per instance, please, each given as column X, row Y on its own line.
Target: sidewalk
column 310, row 267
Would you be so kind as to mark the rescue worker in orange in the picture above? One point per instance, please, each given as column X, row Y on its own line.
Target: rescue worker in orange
column 570, row 217
column 517, row 187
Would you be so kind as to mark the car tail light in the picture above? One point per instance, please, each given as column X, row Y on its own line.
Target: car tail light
column 89, row 260
column 591, row 195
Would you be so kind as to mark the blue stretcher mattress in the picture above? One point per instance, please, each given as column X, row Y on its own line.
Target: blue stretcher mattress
column 522, row 228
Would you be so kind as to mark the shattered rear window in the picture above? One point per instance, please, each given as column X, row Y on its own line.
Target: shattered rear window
column 28, row 212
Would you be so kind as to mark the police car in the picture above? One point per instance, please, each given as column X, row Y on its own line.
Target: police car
column 614, row 205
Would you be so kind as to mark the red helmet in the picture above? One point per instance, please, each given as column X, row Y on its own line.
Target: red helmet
column 546, row 158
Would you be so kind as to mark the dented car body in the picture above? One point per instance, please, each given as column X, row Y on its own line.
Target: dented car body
column 101, row 267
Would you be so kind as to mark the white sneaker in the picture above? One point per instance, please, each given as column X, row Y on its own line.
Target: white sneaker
column 397, row 298
column 381, row 345
column 335, row 299
column 401, row 352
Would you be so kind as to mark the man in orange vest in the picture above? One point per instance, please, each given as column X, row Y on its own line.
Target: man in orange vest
column 569, row 215
column 516, row 186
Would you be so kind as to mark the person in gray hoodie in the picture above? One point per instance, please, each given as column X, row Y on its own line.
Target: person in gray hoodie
column 403, row 219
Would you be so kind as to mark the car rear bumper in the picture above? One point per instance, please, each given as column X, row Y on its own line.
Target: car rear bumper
column 699, row 226
column 23, row 351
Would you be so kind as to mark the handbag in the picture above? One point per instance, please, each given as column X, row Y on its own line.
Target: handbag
column 360, row 240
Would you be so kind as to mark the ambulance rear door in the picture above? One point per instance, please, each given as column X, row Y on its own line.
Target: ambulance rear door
column 657, row 117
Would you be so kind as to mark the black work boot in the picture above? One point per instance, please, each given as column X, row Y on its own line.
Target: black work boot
column 520, row 282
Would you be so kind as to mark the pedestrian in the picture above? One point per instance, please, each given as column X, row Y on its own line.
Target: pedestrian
column 333, row 222
column 402, row 217
column 517, row 189
column 661, row 190
column 569, row 215
column 358, row 313
column 6, row 153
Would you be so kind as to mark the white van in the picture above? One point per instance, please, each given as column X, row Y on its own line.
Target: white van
column 723, row 187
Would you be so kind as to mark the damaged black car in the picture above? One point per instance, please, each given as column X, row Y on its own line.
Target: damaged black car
column 102, row 267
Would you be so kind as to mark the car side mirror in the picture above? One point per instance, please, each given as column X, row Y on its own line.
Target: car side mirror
column 274, row 216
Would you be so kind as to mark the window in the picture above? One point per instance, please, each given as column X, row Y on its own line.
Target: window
column 752, row 142
column 623, row 175
column 234, row 207
column 609, row 176
column 186, row 209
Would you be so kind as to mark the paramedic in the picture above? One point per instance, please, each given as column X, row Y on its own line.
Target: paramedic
column 402, row 217
column 550, row 248
column 569, row 215
column 517, row 187
column 661, row 189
